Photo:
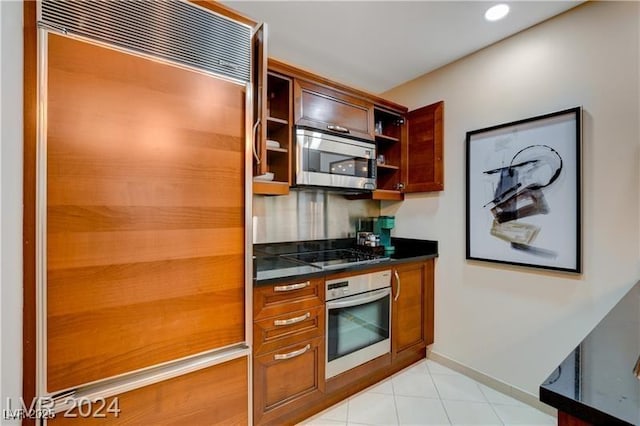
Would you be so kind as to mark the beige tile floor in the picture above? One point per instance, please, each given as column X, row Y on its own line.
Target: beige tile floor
column 428, row 393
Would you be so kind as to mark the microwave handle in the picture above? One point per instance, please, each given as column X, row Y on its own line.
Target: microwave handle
column 348, row 302
column 337, row 128
column 373, row 166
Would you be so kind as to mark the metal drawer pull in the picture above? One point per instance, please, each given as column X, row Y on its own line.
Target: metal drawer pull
column 292, row 320
column 395, row 272
column 292, row 354
column 291, row 287
column 337, row 128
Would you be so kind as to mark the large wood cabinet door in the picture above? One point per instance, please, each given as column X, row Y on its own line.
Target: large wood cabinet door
column 327, row 109
column 412, row 310
column 145, row 213
column 287, row 379
column 213, row 395
column 260, row 100
column 422, row 164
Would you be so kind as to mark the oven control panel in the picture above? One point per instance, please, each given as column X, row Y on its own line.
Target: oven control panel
column 337, row 289
column 343, row 287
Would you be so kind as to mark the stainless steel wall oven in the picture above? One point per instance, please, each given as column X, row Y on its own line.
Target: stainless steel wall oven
column 358, row 320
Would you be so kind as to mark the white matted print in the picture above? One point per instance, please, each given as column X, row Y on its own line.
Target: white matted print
column 523, row 192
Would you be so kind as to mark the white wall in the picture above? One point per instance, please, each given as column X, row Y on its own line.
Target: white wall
column 517, row 324
column 10, row 201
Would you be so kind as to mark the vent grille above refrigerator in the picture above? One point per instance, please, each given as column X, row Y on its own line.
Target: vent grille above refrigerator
column 173, row 30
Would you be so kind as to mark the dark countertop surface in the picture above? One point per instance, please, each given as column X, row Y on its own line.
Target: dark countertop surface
column 269, row 267
column 596, row 382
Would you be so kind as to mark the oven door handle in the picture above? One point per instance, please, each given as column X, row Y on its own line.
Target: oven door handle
column 349, row 301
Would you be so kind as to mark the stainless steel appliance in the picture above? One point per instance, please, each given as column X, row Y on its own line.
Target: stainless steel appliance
column 324, row 159
column 358, row 320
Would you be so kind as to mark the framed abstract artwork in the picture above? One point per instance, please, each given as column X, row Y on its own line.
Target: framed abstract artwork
column 523, row 192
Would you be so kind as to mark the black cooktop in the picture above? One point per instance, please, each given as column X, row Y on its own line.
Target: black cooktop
column 275, row 262
column 327, row 259
column 269, row 263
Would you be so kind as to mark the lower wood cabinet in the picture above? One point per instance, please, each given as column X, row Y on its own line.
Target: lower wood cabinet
column 287, row 297
column 213, row 395
column 289, row 343
column 412, row 310
column 288, row 349
column 287, row 379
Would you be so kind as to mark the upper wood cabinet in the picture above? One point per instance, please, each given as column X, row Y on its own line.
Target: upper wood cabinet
column 389, row 131
column 409, row 146
column 332, row 110
column 409, row 143
column 272, row 113
column 259, row 81
column 422, row 160
column 275, row 143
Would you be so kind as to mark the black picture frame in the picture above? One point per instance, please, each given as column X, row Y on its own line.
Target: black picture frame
column 523, row 192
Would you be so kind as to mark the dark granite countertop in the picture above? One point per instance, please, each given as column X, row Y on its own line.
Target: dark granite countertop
column 269, row 267
column 596, row 382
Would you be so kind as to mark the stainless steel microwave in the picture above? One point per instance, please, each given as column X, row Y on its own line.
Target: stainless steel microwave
column 328, row 160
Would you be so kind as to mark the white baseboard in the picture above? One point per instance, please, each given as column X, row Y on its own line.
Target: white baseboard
column 500, row 386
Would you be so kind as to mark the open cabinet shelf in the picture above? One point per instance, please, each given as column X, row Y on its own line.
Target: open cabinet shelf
column 277, row 116
column 281, row 150
column 389, row 130
column 275, row 120
column 385, row 138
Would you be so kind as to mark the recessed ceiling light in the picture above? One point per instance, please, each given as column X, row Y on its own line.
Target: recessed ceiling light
column 497, row 12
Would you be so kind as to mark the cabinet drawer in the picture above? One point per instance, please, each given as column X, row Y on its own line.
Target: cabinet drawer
column 328, row 109
column 287, row 379
column 286, row 297
column 270, row 334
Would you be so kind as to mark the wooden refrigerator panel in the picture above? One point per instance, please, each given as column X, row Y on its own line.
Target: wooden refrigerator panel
column 145, row 213
column 213, row 396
